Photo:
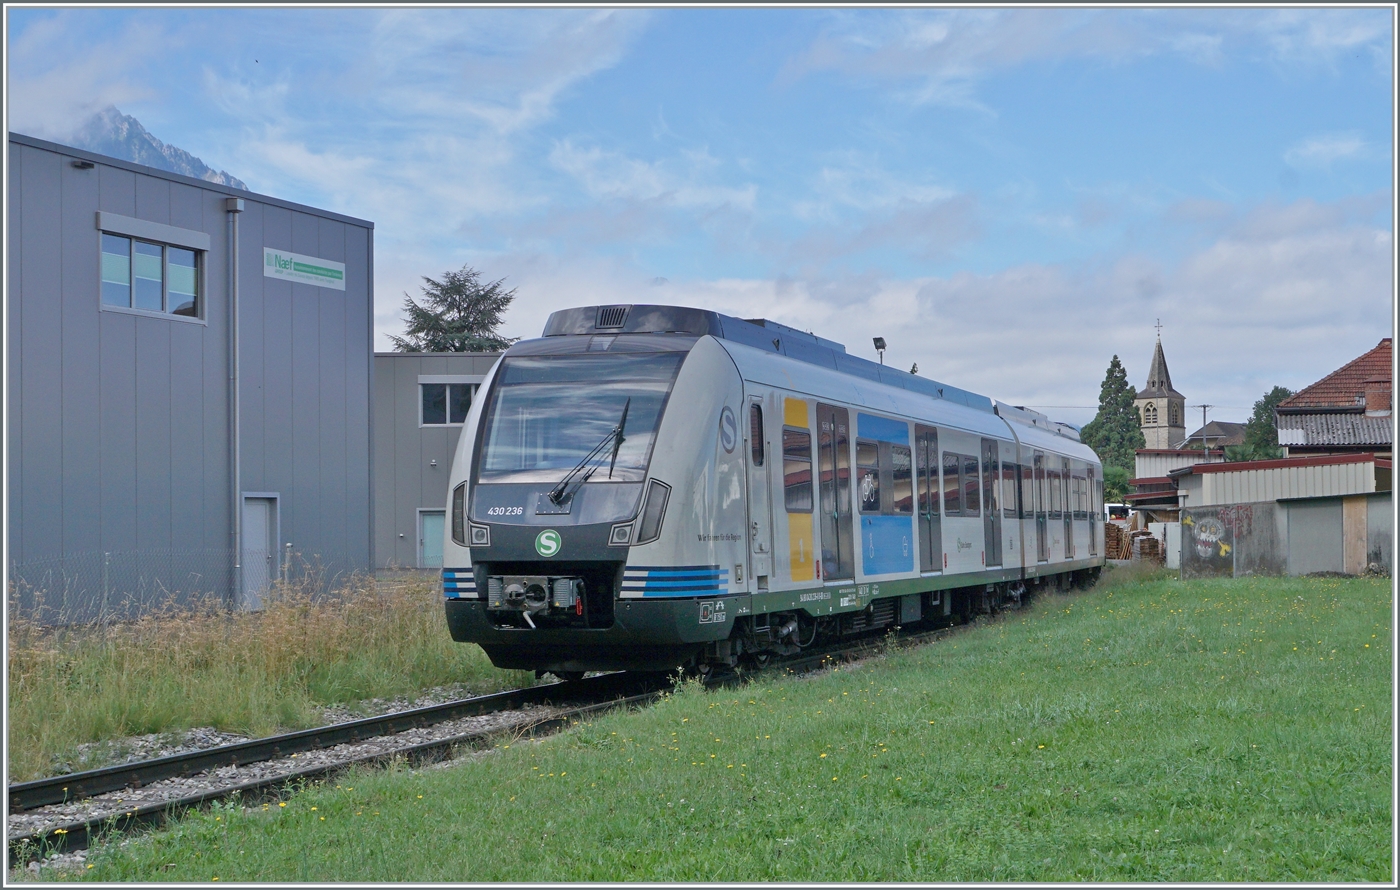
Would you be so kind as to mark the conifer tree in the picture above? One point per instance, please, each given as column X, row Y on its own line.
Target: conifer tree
column 1115, row 433
column 458, row 314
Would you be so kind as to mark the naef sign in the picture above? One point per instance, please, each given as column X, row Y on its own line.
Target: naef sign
column 303, row 269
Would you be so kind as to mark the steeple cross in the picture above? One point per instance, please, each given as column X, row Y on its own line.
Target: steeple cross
column 1158, row 326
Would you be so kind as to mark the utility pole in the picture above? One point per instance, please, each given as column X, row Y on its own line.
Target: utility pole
column 1205, row 443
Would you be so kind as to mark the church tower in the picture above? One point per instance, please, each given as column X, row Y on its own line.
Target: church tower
column 1161, row 409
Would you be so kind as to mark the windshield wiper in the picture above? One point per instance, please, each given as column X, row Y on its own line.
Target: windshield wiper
column 618, row 439
column 559, row 493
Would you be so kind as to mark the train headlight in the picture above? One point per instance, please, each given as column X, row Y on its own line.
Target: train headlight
column 621, row 535
column 481, row 535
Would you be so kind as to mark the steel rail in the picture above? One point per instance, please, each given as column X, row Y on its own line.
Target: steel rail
column 75, row 786
column 79, row 834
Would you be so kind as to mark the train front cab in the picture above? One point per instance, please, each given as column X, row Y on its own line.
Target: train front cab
column 668, row 562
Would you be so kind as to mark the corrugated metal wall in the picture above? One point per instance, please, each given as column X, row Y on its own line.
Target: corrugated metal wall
column 119, row 476
column 1252, row 486
column 405, row 449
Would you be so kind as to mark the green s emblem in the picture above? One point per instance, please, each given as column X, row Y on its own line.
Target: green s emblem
column 548, row 542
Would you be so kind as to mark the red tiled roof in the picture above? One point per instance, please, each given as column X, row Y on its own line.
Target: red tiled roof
column 1344, row 387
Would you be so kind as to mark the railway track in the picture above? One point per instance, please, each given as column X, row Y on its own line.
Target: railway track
column 559, row 704
column 564, row 704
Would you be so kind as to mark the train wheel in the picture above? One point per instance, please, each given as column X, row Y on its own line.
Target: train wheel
column 569, row 676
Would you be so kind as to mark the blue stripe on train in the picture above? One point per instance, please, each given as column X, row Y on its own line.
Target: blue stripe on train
column 675, row 580
column 459, row 584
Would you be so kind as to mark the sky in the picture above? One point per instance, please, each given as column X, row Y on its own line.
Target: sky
column 1010, row 197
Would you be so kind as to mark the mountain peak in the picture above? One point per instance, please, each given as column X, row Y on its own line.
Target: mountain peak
column 117, row 135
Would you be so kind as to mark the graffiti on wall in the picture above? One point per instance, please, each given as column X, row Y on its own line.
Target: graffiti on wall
column 1209, row 540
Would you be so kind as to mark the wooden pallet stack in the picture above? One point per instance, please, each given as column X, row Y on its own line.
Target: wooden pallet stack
column 1115, row 541
column 1145, row 546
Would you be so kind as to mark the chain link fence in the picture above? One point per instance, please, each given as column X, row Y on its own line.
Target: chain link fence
column 123, row 585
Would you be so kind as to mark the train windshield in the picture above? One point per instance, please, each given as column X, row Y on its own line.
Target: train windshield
column 548, row 412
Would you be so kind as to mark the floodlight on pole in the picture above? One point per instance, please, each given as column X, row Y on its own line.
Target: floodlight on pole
column 880, row 347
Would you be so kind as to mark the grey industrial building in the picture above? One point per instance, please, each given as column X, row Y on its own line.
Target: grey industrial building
column 128, row 481
column 420, row 401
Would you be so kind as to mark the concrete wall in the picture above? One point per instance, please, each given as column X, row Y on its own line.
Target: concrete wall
column 416, row 459
column 1293, row 537
column 120, row 479
column 1380, row 530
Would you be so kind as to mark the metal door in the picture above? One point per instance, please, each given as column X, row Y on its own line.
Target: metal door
column 760, row 512
column 1069, row 507
column 1042, row 522
column 834, row 465
column 431, row 525
column 258, row 560
column 991, row 508
column 930, row 493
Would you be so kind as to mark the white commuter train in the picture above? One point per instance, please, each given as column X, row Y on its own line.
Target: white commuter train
column 651, row 487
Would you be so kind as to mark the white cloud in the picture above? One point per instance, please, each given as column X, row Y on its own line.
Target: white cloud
column 939, row 56
column 1324, row 150
column 58, row 79
column 1284, row 296
column 678, row 182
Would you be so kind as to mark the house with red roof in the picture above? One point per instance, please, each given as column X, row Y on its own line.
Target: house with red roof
column 1346, row 412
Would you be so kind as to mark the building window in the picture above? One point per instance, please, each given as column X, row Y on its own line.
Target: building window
column 1175, row 415
column 1149, row 413
column 445, row 404
column 153, row 277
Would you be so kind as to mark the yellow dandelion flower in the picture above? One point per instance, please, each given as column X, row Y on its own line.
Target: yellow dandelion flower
column 282, row 804
column 823, row 755
column 313, row 809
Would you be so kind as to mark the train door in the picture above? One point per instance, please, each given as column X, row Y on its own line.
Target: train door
column 991, row 513
column 834, row 466
column 1069, row 508
column 760, row 512
column 1042, row 522
column 930, row 516
column 1094, row 513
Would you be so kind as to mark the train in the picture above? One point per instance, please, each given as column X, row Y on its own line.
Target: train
column 654, row 488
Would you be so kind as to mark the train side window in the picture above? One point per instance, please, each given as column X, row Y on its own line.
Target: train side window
column 797, row 470
column 1027, row 496
column 972, row 505
column 902, row 470
column 1054, row 479
column 756, row 433
column 952, row 484
column 1009, row 473
column 868, row 475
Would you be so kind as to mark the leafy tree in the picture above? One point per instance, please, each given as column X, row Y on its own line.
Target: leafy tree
column 458, row 314
column 1261, row 432
column 1115, row 433
column 1115, row 484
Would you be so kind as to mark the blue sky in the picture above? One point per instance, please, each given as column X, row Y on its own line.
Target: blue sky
column 1009, row 197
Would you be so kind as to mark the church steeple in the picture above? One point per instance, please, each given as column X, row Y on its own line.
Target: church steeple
column 1161, row 409
column 1159, row 379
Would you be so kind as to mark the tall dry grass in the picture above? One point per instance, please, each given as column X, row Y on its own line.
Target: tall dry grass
column 253, row 673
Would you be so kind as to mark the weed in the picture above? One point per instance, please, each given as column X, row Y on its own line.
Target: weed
column 252, row 673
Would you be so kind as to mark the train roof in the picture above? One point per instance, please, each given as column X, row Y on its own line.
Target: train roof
column 779, row 339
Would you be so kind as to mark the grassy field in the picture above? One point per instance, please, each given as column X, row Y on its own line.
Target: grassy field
column 248, row 673
column 1146, row 730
